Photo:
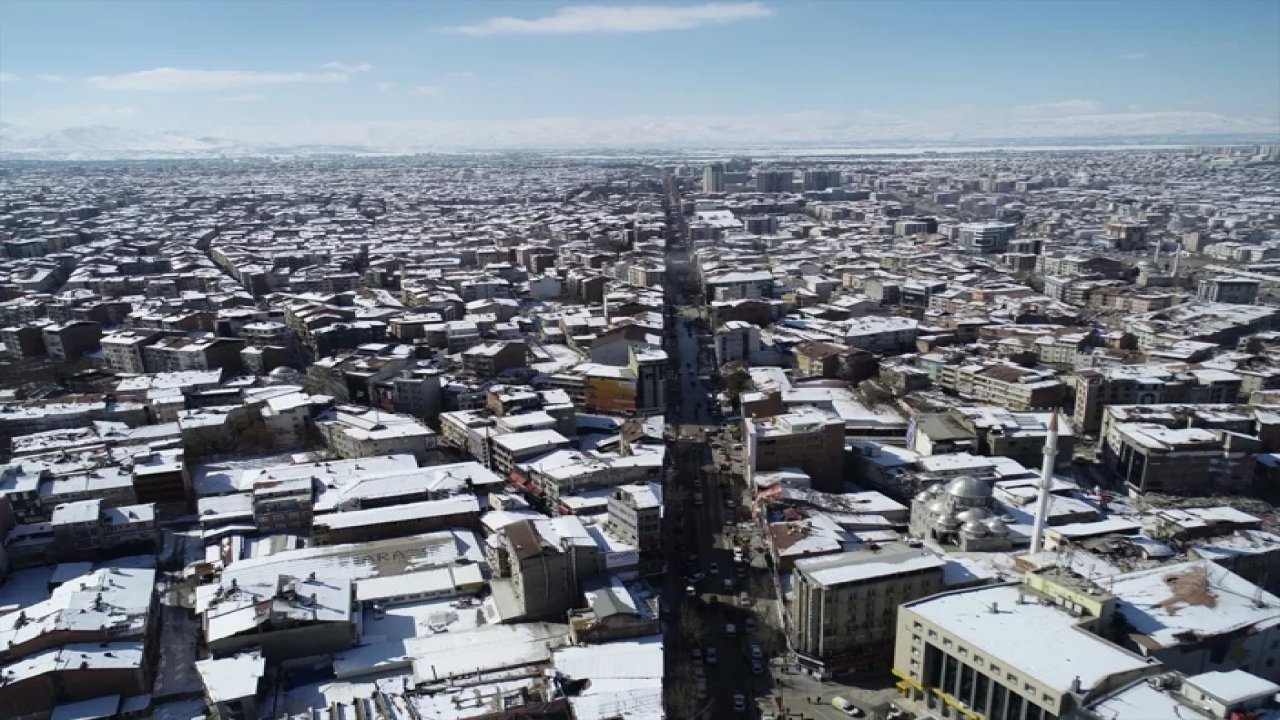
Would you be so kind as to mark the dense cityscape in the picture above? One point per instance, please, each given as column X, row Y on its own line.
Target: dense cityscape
column 537, row 435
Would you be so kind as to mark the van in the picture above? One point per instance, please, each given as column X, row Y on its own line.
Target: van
column 846, row 707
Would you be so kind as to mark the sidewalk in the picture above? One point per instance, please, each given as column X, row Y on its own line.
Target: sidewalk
column 798, row 689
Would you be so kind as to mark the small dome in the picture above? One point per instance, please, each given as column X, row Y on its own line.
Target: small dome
column 936, row 507
column 974, row 514
column 974, row 528
column 996, row 526
column 948, row 522
column 967, row 487
column 924, row 496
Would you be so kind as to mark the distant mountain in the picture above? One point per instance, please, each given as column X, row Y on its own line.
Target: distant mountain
column 101, row 142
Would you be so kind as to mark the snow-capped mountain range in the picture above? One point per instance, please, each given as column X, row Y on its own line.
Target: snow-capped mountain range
column 104, row 142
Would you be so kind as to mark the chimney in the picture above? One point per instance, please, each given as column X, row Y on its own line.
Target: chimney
column 1046, row 482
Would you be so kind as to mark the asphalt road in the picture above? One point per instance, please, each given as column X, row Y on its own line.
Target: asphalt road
column 695, row 520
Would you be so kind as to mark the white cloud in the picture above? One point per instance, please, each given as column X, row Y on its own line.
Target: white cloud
column 385, row 86
column 8, row 77
column 1135, row 56
column 243, row 98
column 177, row 79
column 1058, row 109
column 51, row 78
column 425, row 90
column 576, row 19
column 345, row 68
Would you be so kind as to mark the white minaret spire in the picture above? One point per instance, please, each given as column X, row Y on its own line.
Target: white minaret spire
column 1046, row 482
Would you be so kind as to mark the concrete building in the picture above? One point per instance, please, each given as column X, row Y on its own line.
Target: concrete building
column 1011, row 651
column 713, row 178
column 845, row 606
column 822, row 179
column 806, row 438
column 986, row 238
column 1185, row 461
column 64, row 342
column 1233, row 291
column 635, row 516
column 1148, row 385
column 352, row 432
column 774, row 181
column 489, row 359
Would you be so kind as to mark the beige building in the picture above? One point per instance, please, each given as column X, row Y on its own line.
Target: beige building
column 1011, row 651
column 844, row 607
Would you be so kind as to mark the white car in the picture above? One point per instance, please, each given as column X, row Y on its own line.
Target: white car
column 756, row 652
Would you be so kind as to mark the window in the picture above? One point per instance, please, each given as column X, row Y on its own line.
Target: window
column 946, row 642
column 933, row 633
column 915, row 639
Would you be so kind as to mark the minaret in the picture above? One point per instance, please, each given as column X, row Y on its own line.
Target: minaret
column 1046, row 482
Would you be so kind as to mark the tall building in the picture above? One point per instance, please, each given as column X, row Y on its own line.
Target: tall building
column 713, row 178
column 986, row 238
column 822, row 179
column 774, row 181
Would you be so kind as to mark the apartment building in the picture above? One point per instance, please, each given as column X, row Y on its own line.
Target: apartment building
column 635, row 516
column 123, row 349
column 1148, row 385
column 1230, row 290
column 845, row 606
column 807, row 438
column 352, row 432
column 68, row 341
column 1150, row 457
column 172, row 354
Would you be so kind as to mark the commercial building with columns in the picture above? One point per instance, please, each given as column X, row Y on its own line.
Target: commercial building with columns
column 1012, row 652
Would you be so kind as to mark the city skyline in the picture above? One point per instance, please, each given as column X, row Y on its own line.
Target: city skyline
column 419, row 76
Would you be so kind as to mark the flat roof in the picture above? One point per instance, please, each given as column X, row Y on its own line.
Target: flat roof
column 863, row 565
column 1018, row 632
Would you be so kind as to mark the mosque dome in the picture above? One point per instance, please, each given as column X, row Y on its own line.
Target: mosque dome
column 968, row 488
column 974, row 528
column 996, row 526
column 974, row 514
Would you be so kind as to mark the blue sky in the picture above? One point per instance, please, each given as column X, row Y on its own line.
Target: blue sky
column 348, row 71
